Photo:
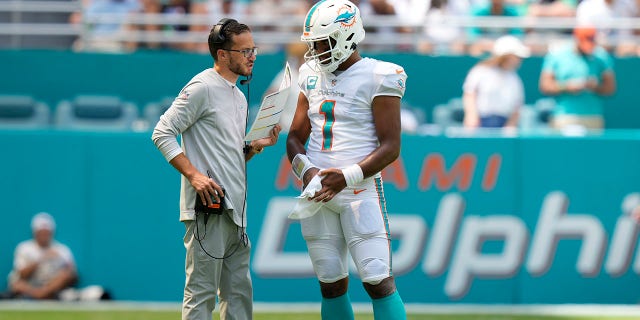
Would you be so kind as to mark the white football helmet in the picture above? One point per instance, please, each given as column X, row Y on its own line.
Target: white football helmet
column 339, row 23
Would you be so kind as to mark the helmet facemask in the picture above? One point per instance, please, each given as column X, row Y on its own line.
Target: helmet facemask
column 328, row 60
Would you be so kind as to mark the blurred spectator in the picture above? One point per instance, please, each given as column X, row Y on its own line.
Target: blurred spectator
column 601, row 14
column 381, row 36
column 409, row 13
column 481, row 38
column 278, row 10
column 493, row 91
column 33, row 36
column 101, row 31
column 538, row 38
column 578, row 75
column 215, row 10
column 409, row 119
column 552, row 8
column 441, row 36
column 295, row 57
column 635, row 213
column 42, row 267
column 171, row 10
column 148, row 7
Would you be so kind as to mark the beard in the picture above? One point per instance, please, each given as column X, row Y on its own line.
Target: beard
column 238, row 68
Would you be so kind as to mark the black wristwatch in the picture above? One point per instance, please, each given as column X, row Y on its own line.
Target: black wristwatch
column 247, row 148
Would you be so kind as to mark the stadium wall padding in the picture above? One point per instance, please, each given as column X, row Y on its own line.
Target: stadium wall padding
column 149, row 76
column 506, row 220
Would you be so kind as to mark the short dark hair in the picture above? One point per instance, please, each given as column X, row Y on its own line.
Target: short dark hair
column 231, row 29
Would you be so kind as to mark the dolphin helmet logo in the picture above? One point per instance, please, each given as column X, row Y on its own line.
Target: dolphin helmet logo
column 346, row 18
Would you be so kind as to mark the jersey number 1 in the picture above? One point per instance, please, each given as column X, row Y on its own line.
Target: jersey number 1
column 326, row 109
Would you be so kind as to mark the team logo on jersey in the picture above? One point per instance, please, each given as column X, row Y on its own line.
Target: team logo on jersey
column 311, row 82
column 400, row 84
column 184, row 95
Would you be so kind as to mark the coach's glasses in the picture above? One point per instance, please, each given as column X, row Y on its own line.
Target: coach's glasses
column 247, row 53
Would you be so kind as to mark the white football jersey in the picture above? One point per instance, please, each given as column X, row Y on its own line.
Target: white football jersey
column 342, row 128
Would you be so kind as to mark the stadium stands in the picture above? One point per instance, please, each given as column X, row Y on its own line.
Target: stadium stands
column 95, row 112
column 450, row 114
column 23, row 112
column 153, row 110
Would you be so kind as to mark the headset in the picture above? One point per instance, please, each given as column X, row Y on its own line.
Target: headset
column 217, row 34
column 247, row 80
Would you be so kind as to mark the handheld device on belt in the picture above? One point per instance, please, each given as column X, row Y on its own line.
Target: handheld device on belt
column 214, row 208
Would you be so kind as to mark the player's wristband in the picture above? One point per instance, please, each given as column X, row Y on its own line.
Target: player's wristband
column 300, row 165
column 353, row 175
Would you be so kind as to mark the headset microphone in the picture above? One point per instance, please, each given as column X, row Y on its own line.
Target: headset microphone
column 247, row 80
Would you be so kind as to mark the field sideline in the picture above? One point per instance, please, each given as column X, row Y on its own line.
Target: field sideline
column 28, row 310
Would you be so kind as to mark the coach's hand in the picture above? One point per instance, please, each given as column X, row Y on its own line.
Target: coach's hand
column 268, row 141
column 206, row 188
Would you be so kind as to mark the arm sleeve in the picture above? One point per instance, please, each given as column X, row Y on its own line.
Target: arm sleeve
column 548, row 63
column 607, row 62
column 304, row 78
column 21, row 257
column 471, row 81
column 392, row 79
column 184, row 111
column 67, row 256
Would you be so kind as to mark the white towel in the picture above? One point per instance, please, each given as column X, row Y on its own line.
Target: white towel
column 306, row 208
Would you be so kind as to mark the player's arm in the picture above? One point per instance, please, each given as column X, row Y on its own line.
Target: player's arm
column 298, row 135
column 386, row 119
column 300, row 128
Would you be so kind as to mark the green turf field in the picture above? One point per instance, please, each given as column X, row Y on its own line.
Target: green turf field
column 170, row 315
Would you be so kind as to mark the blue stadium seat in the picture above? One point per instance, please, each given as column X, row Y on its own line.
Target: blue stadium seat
column 449, row 115
column 538, row 115
column 23, row 112
column 96, row 113
column 153, row 110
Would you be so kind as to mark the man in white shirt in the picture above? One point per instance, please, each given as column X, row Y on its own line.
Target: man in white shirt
column 42, row 267
column 210, row 114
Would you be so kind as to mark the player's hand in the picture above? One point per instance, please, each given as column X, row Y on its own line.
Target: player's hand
column 332, row 183
column 206, row 188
